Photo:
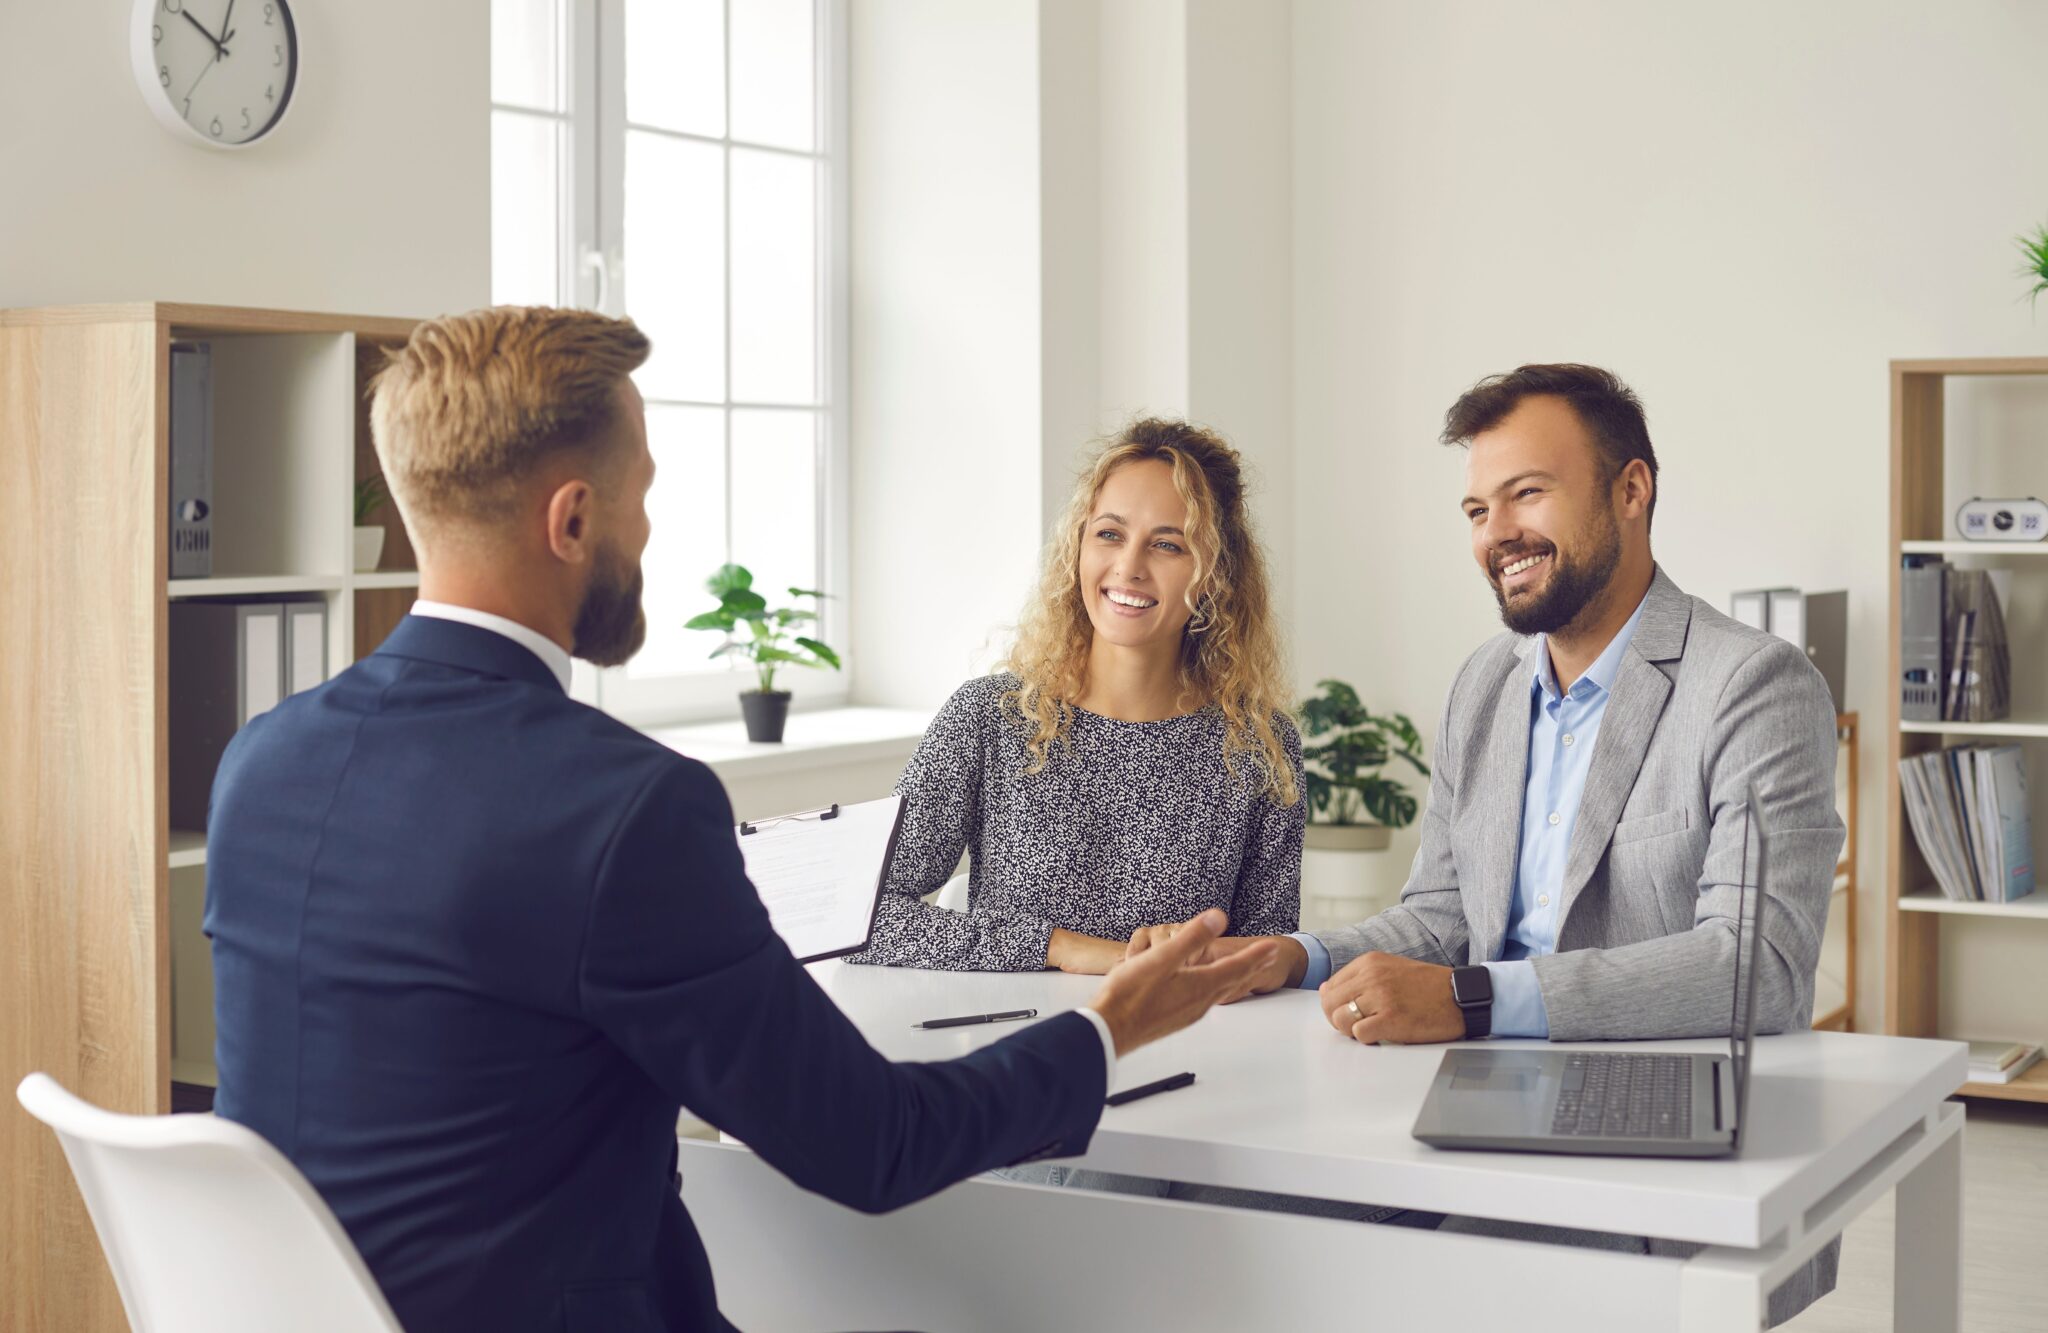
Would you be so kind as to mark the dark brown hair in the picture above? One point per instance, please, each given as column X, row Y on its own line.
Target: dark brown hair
column 1609, row 410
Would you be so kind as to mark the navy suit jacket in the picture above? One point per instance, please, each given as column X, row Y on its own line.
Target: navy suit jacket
column 474, row 945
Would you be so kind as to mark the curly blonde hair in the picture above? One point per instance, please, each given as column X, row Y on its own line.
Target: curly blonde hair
column 1230, row 650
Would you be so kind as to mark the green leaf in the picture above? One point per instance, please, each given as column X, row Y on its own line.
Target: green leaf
column 729, row 579
column 824, row 654
column 770, row 653
column 807, row 592
column 739, row 601
column 790, row 615
column 719, row 619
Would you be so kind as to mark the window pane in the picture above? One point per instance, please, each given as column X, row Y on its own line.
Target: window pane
column 775, row 501
column 687, row 510
column 675, row 263
column 526, row 58
column 675, row 64
column 774, row 278
column 525, row 210
column 774, row 74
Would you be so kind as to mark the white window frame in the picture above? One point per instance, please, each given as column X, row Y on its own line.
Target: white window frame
column 594, row 274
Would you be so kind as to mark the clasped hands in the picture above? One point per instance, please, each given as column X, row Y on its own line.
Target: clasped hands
column 1375, row 997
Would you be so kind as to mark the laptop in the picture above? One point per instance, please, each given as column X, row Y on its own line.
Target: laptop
column 1620, row 1103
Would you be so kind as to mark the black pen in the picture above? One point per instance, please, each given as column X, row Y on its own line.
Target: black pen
column 1147, row 1089
column 970, row 1019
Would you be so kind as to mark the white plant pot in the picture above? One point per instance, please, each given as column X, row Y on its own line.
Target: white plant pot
column 369, row 549
column 1342, row 885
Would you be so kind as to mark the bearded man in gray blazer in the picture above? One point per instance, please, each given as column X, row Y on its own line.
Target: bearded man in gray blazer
column 1583, row 842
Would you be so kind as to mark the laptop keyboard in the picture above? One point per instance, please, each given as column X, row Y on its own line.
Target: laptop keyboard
column 1626, row 1096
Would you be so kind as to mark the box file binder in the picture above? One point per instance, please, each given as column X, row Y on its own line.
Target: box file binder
column 1922, row 601
column 305, row 660
column 191, row 460
column 226, row 666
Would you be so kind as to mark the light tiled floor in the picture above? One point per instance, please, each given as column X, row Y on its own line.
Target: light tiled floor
column 2005, row 1236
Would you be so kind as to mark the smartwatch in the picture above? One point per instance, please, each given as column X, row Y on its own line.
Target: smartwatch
column 1472, row 991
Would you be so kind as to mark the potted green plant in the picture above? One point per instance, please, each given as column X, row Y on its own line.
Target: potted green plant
column 2034, row 257
column 1353, row 805
column 770, row 640
column 371, row 496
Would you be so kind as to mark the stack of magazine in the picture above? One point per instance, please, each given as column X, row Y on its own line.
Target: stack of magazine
column 1968, row 807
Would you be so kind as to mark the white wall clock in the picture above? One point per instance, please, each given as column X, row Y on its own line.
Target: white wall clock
column 219, row 72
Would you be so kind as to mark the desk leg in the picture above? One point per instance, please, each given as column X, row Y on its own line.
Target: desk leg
column 1927, row 1253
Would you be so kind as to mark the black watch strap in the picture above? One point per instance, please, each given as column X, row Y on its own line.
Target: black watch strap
column 1472, row 990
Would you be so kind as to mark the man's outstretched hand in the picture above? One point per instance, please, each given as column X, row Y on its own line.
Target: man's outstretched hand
column 1175, row 981
column 1283, row 969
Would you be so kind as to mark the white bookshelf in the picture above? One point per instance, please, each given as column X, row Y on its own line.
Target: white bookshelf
column 1972, row 548
column 256, row 585
column 1964, row 428
column 290, row 439
column 2012, row 730
column 2034, row 905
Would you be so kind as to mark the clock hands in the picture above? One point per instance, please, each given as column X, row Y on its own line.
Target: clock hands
column 218, row 48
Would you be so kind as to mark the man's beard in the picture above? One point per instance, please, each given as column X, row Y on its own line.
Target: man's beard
column 1576, row 581
column 610, row 624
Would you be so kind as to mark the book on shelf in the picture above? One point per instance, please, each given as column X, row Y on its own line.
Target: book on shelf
column 1968, row 808
column 2001, row 1061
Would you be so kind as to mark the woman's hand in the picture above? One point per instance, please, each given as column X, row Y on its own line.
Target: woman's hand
column 1083, row 954
column 1281, row 969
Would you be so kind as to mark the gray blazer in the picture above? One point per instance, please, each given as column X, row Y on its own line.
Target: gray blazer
column 1647, row 926
column 1646, row 931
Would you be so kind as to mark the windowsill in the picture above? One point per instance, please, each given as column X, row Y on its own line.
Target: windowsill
column 823, row 739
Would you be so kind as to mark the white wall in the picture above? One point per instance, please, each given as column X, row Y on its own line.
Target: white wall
column 945, row 437
column 373, row 198
column 1745, row 209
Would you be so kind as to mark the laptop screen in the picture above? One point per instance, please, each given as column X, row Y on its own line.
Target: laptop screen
column 1749, row 908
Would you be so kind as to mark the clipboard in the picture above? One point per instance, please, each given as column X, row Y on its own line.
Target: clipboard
column 820, row 873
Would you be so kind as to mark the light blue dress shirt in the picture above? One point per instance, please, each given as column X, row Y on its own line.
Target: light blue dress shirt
column 1564, row 726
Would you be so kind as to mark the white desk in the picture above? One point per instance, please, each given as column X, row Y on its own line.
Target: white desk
column 1283, row 1103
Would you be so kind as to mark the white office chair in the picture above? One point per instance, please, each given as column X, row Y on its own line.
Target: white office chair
column 953, row 894
column 206, row 1226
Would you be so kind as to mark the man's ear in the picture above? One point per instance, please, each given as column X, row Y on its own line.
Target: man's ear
column 1637, row 486
column 571, row 516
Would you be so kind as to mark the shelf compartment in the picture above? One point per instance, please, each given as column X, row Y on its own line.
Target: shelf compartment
column 255, row 585
column 188, row 848
column 1933, row 900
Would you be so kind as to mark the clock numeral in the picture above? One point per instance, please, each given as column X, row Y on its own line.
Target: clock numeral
column 214, row 129
column 163, row 75
column 188, row 108
column 245, row 118
column 277, row 56
column 174, row 6
column 156, row 34
column 270, row 92
column 269, row 15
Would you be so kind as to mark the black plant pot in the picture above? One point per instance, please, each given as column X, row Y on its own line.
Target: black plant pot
column 765, row 711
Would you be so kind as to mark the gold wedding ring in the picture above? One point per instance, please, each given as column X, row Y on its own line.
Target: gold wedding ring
column 1356, row 1016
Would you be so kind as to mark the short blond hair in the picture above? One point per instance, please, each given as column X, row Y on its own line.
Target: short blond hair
column 474, row 403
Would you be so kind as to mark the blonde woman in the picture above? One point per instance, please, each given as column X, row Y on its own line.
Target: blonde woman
column 1134, row 763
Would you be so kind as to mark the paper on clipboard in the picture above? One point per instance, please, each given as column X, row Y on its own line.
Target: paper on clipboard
column 820, row 873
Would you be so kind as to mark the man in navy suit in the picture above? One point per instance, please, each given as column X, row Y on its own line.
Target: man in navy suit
column 476, row 943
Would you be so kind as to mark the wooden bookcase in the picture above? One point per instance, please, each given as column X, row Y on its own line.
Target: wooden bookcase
column 1914, row 907
column 94, row 883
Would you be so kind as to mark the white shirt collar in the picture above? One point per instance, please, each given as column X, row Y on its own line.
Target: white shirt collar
column 540, row 645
